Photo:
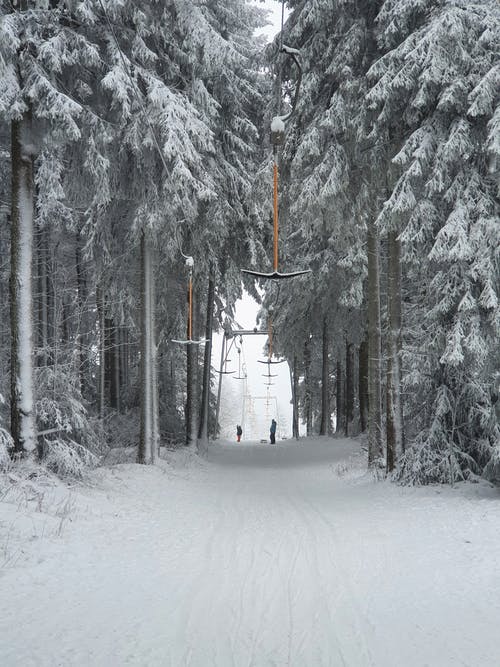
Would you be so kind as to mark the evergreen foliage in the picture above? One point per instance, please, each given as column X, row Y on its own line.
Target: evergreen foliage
column 145, row 125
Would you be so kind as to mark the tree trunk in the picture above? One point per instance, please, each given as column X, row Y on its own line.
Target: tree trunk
column 112, row 362
column 190, row 413
column 363, row 385
column 21, row 316
column 205, row 392
column 124, row 358
column 340, row 405
column 307, row 388
column 155, row 416
column 83, row 337
column 43, row 296
column 349, row 387
column 374, row 349
column 102, row 351
column 295, row 398
column 394, row 423
column 146, row 440
column 325, row 403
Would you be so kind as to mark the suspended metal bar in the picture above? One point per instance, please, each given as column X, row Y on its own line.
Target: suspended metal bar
column 190, row 341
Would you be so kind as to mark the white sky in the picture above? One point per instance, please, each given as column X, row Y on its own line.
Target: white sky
column 251, row 403
column 274, row 6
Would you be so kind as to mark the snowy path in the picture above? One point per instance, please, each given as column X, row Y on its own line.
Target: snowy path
column 263, row 556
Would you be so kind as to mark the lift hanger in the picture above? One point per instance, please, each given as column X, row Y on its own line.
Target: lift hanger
column 277, row 139
column 240, row 376
column 190, row 341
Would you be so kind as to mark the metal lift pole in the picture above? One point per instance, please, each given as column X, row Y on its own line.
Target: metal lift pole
column 219, row 390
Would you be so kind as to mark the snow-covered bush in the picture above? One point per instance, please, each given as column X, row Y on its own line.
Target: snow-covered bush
column 75, row 442
column 426, row 463
column 5, row 443
column 67, row 458
column 492, row 469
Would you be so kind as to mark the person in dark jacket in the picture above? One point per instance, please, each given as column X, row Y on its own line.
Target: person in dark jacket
column 239, row 433
column 272, row 432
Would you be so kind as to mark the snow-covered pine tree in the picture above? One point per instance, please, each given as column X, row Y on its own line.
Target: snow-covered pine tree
column 439, row 77
column 38, row 49
column 326, row 205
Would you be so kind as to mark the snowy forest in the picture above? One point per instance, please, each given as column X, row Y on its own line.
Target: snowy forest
column 136, row 134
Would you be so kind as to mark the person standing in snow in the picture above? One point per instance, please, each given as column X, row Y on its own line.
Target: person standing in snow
column 238, row 433
column 272, row 432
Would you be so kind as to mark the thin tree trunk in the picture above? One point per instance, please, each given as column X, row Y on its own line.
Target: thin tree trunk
column 102, row 351
column 394, row 424
column 116, row 365
column 21, row 316
column 374, row 349
column 307, row 388
column 155, row 416
column 124, row 358
column 349, row 387
column 145, row 453
column 294, row 376
column 205, row 392
column 325, row 403
column 43, row 307
column 81, row 284
column 340, row 425
column 109, row 359
column 66, row 321
column 363, row 385
column 190, row 413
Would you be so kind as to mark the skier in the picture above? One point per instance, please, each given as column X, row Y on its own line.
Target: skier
column 238, row 433
column 272, row 432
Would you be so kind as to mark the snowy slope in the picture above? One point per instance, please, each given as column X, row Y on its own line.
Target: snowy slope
column 261, row 555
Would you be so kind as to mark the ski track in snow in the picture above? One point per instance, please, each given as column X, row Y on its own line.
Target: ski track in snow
column 261, row 556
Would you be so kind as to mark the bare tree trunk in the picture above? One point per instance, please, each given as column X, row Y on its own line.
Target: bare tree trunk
column 394, row 426
column 325, row 403
column 21, row 316
column 294, row 377
column 124, row 358
column 155, row 417
column 102, row 351
column 339, row 400
column 349, row 387
column 205, row 393
column 66, row 320
column 374, row 348
column 145, row 453
column 82, row 295
column 190, row 412
column 363, row 385
column 43, row 305
column 307, row 388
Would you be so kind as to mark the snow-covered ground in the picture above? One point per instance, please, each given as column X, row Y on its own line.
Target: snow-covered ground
column 261, row 555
